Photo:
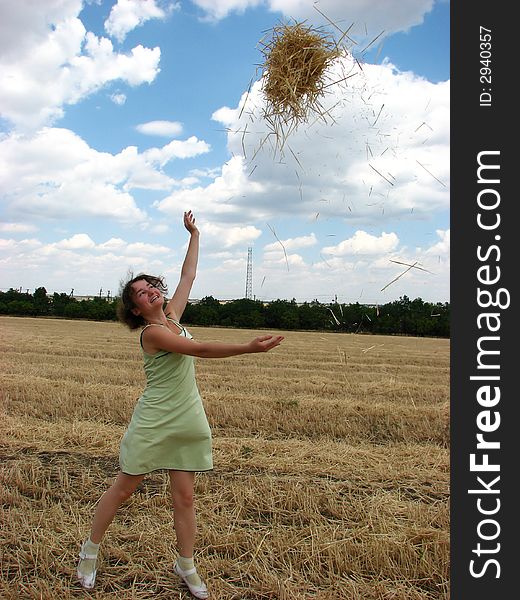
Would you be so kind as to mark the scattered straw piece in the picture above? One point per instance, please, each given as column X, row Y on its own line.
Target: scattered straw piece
column 399, row 276
column 373, row 168
column 335, row 318
column 430, row 173
column 398, row 262
column 283, row 247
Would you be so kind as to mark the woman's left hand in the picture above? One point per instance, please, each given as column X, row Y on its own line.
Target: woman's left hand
column 189, row 222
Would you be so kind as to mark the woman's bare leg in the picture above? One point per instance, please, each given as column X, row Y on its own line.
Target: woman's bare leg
column 182, row 484
column 122, row 488
column 181, row 487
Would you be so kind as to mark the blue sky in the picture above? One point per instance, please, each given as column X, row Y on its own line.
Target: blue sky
column 116, row 116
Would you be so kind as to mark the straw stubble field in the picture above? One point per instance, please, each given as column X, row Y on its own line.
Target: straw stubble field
column 331, row 476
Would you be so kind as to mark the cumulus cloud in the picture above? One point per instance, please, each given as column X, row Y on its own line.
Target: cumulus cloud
column 55, row 174
column 63, row 64
column 99, row 64
column 281, row 253
column 218, row 198
column 218, row 9
column 79, row 241
column 293, row 243
column 385, row 154
column 208, row 172
column 158, row 228
column 223, row 237
column 17, row 227
column 126, row 15
column 93, row 265
column 25, row 24
column 364, row 243
column 365, row 16
column 112, row 244
column 225, row 115
column 442, row 247
column 160, row 128
column 176, row 149
column 279, row 259
column 118, row 99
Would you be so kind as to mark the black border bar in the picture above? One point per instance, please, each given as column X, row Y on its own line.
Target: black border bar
column 485, row 428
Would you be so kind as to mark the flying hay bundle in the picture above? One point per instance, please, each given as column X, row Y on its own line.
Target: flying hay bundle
column 296, row 59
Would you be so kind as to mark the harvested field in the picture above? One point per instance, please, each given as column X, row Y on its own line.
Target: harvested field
column 331, row 476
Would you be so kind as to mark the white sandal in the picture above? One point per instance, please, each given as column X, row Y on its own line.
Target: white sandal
column 86, row 581
column 199, row 591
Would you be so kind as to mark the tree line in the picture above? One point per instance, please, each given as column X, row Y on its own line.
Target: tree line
column 403, row 316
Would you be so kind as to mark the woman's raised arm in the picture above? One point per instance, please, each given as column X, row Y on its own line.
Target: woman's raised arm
column 177, row 304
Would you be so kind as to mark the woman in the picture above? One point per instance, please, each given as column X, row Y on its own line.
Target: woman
column 168, row 429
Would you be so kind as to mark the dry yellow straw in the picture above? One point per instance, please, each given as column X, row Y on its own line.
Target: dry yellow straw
column 296, row 59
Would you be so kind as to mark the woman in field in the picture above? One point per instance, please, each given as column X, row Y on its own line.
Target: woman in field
column 168, row 429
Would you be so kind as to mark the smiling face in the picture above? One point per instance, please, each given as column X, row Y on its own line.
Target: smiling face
column 146, row 297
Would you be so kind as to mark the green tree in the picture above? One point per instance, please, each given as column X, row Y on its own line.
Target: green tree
column 282, row 314
column 311, row 315
column 60, row 302
column 244, row 313
column 41, row 302
column 208, row 311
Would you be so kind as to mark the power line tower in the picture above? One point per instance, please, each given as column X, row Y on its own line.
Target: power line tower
column 249, row 274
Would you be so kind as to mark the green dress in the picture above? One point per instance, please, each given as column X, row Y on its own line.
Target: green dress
column 169, row 428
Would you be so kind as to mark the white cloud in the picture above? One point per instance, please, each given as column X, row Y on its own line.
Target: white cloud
column 374, row 15
column 384, row 157
column 118, row 99
column 26, row 244
column 218, row 9
column 141, row 248
column 176, row 149
column 62, row 65
column 220, row 196
column 55, row 174
column 112, row 244
column 442, row 247
column 100, row 64
column 160, row 128
column 278, row 254
column 78, row 259
column 385, row 154
column 293, row 243
column 78, row 241
column 159, row 228
column 126, row 15
column 25, row 24
column 211, row 173
column 365, row 244
column 188, row 181
column 222, row 236
column 278, row 259
column 17, row 227
column 231, row 265
column 366, row 16
column 227, row 116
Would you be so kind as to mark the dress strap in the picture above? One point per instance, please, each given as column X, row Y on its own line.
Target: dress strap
column 176, row 323
column 142, row 331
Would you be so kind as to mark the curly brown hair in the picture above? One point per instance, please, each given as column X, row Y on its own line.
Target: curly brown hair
column 126, row 299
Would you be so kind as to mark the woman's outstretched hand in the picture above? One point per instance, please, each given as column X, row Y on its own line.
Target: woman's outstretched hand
column 265, row 343
column 189, row 222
